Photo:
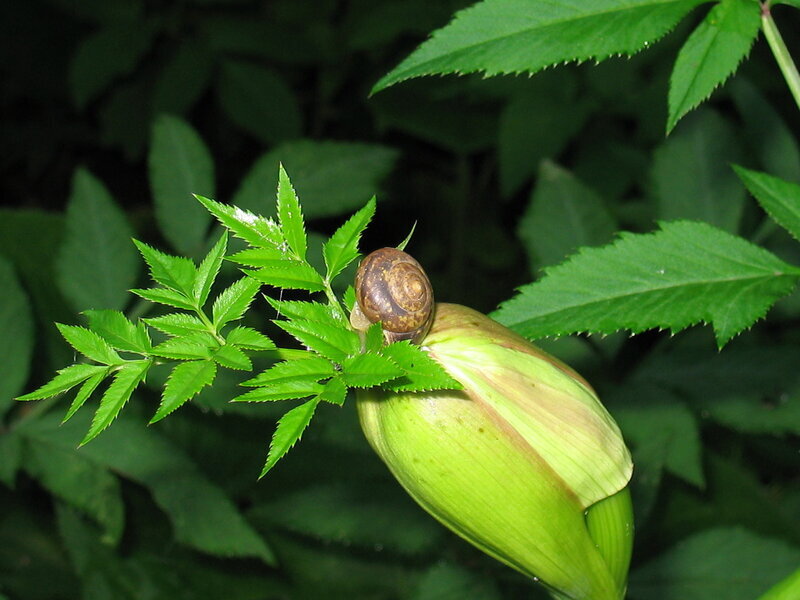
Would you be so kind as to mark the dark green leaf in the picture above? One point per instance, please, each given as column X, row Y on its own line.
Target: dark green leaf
column 208, row 270
column 232, row 358
column 250, row 339
column 16, row 331
column 781, row 199
column 11, row 451
column 177, row 324
column 174, row 272
column 232, row 303
column 290, row 216
column 96, row 263
column 342, row 247
column 421, row 372
column 254, row 229
column 184, row 77
column 66, row 379
column 449, row 582
column 165, row 296
column 289, row 430
column 368, row 370
column 184, row 383
column 310, row 369
column 118, row 331
column 89, row 344
column 331, row 341
column 290, row 274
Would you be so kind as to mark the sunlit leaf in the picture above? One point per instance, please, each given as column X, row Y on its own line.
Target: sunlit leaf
column 185, row 381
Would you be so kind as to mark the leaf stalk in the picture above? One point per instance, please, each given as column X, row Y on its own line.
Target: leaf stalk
column 780, row 51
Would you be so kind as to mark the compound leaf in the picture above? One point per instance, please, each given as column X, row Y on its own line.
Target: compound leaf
column 289, row 430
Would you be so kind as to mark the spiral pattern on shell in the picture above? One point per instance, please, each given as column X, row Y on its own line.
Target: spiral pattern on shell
column 392, row 287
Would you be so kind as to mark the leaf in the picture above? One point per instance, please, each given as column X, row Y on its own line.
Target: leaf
column 177, row 324
column 65, row 379
column 189, row 347
column 332, row 178
column 16, row 331
column 245, row 337
column 86, row 390
column 333, row 342
column 125, row 382
column 288, row 274
column 684, row 274
column 781, row 199
column 303, row 310
column 445, row 581
column 562, row 216
column 285, row 390
column 232, row 358
column 165, row 296
column 421, row 372
column 516, row 36
column 258, row 101
column 290, row 216
column 254, row 229
column 691, row 176
column 232, row 302
column 711, row 54
column 89, row 344
column 368, row 370
column 258, row 257
column 118, row 331
column 96, row 263
column 179, row 165
column 342, row 247
column 184, row 383
column 208, row 270
column 729, row 563
column 174, row 272
column 311, row 369
column 334, row 392
column 183, row 77
column 289, row 430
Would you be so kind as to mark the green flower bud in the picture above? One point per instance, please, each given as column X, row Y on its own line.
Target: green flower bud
column 512, row 462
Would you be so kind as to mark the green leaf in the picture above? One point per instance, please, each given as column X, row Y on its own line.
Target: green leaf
column 232, row 302
column 96, row 263
column 303, row 310
column 290, row 216
column 16, row 331
column 11, row 451
column 208, row 270
column 174, row 272
column 233, row 358
column 367, row 370
column 342, row 247
column 290, row 274
column 118, row 331
column 729, row 563
column 189, row 347
column 258, row 257
column 177, row 324
column 86, row 390
column 445, row 581
column 179, row 165
column 254, row 229
column 421, row 372
column 184, row 383
column 691, row 176
column 684, row 274
column 334, row 392
column 259, row 102
column 125, row 382
column 781, row 199
column 289, row 430
column 562, row 216
column 250, row 339
column 183, row 77
column 711, row 54
column 332, row 178
column 516, row 36
column 165, row 296
column 310, row 369
column 66, row 379
column 331, row 341
column 284, row 390
column 89, row 344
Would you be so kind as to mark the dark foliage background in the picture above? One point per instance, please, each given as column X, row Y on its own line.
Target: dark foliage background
column 174, row 510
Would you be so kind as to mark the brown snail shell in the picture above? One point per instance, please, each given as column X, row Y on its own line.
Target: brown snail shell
column 392, row 288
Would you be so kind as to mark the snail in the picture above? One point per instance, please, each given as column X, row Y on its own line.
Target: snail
column 392, row 288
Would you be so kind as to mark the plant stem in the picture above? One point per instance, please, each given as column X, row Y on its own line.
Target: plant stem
column 781, row 52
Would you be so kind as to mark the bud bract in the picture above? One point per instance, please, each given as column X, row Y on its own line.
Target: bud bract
column 513, row 461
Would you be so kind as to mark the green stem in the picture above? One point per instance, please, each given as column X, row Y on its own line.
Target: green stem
column 781, row 52
column 334, row 301
column 209, row 325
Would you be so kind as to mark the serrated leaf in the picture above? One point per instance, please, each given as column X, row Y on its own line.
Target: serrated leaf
column 331, row 341
column 246, row 337
column 89, row 344
column 284, row 390
column 17, row 333
column 233, row 358
column 349, row 297
column 174, row 272
column 117, row 394
column 88, row 387
column 303, row 310
column 290, row 216
column 165, row 296
column 255, row 229
column 179, row 165
column 208, row 270
column 290, row 428
column 177, row 324
column 96, row 263
column 515, row 36
column 118, row 331
column 682, row 275
column 189, row 347
column 368, row 370
column 312, row 369
column 342, row 247
column 711, row 54
column 291, row 275
column 65, row 379
column 232, row 303
column 184, row 383
column 258, row 257
column 334, row 392
column 781, row 199
column 421, row 372
column 373, row 338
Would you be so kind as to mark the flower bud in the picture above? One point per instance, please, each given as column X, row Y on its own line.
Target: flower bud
column 512, row 462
